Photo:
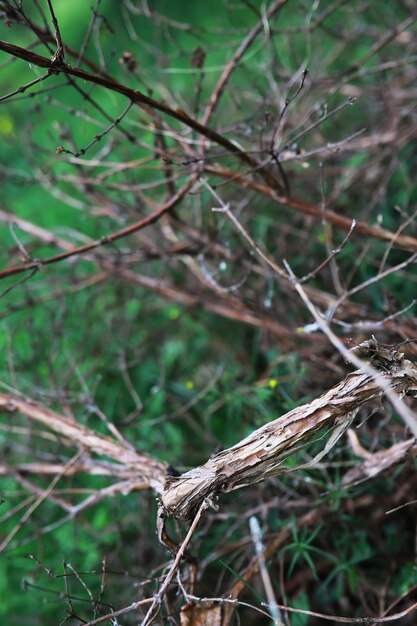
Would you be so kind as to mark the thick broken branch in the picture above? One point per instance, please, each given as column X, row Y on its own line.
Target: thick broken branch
column 258, row 456
column 261, row 454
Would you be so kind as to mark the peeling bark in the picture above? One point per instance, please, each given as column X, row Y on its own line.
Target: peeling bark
column 261, row 454
column 253, row 459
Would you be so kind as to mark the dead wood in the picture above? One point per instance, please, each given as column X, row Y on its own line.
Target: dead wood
column 256, row 457
column 262, row 453
column 149, row 471
column 377, row 462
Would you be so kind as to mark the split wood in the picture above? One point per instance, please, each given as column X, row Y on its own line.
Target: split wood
column 256, row 457
column 262, row 453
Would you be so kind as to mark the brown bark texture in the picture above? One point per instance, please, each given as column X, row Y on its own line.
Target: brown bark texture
column 262, row 453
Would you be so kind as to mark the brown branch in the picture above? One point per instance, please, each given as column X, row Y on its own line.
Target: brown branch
column 59, row 54
column 261, row 454
column 135, row 96
column 308, row 208
column 377, row 462
column 176, row 563
column 148, row 470
column 229, row 306
column 23, row 88
column 106, row 239
column 238, row 312
column 248, row 40
column 94, row 468
column 232, row 308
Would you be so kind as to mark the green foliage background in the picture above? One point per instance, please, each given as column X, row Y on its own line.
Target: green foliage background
column 71, row 347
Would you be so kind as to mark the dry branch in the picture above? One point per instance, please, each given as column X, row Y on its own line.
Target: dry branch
column 376, row 462
column 312, row 210
column 56, row 67
column 150, row 471
column 261, row 454
column 256, row 457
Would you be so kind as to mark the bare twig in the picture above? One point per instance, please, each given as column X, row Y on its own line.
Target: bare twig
column 178, row 557
column 135, row 96
column 58, row 57
column 23, row 88
column 150, row 471
column 402, row 409
column 41, row 498
column 259, row 547
column 330, row 257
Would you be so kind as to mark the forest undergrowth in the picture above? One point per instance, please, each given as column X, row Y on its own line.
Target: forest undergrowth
column 208, row 322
